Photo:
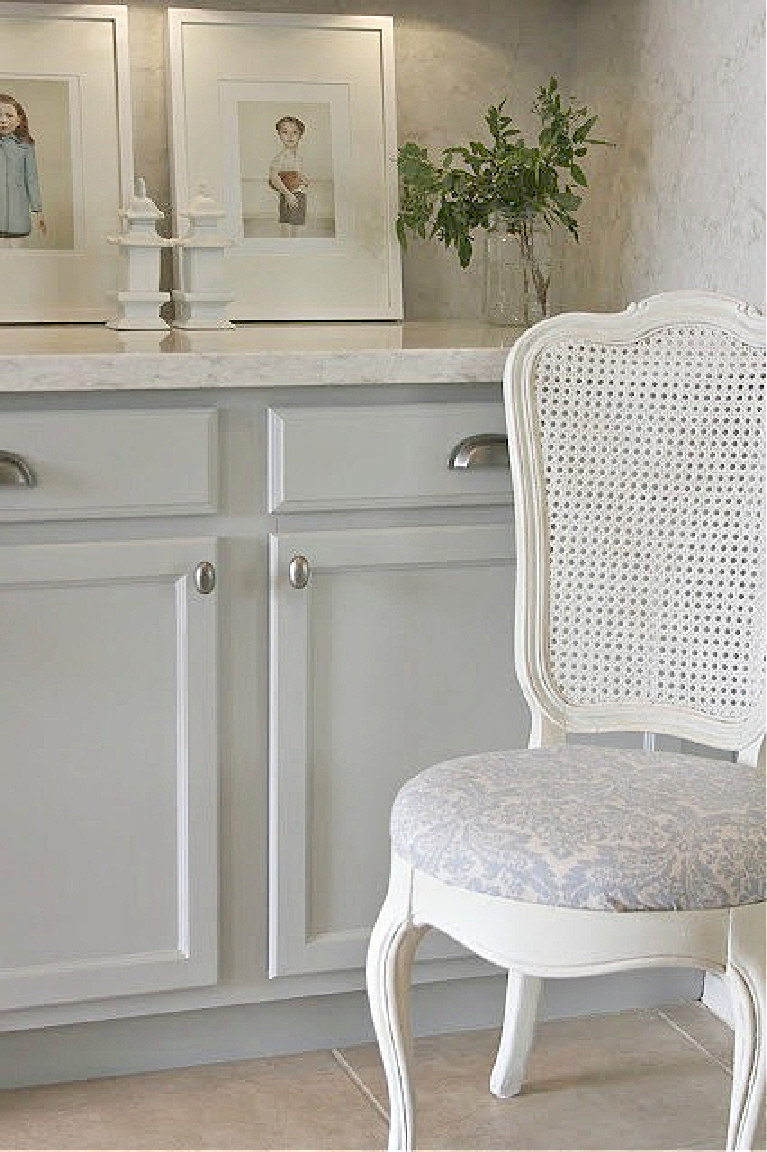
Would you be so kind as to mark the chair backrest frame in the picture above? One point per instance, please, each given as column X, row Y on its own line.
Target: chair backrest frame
column 551, row 708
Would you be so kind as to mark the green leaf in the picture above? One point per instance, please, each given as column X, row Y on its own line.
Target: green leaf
column 580, row 134
column 578, row 175
column 567, row 200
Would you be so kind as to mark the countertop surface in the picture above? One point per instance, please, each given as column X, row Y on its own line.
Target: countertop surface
column 91, row 357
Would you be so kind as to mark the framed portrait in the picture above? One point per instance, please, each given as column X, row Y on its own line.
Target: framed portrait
column 288, row 121
column 65, row 159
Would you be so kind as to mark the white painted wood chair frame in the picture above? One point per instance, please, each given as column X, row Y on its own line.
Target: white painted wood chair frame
column 535, row 941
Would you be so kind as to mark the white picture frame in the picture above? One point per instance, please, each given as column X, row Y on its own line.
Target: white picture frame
column 67, row 66
column 330, row 252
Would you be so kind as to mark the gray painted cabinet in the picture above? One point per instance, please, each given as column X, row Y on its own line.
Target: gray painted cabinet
column 390, row 648
column 107, row 820
column 125, row 807
column 196, row 785
column 396, row 654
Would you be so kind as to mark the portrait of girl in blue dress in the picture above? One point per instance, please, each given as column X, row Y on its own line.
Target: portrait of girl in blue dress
column 20, row 198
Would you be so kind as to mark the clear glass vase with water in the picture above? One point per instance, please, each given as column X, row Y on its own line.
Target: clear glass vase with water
column 517, row 271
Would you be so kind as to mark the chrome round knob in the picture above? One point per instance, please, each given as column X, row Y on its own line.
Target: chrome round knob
column 299, row 571
column 205, row 577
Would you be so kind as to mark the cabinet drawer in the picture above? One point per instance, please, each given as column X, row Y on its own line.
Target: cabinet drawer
column 388, row 456
column 93, row 464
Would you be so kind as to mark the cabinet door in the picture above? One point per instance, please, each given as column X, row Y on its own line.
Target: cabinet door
column 108, row 781
column 396, row 654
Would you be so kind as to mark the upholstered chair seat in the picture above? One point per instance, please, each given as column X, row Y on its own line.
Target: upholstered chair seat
column 578, row 827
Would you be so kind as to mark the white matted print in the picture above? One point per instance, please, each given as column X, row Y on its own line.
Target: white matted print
column 65, row 158
column 289, row 122
column 289, row 145
column 50, row 110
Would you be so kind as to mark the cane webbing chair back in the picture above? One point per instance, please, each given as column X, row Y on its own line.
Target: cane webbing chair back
column 641, row 540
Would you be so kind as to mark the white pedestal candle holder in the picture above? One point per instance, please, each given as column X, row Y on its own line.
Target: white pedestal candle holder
column 138, row 267
column 201, row 300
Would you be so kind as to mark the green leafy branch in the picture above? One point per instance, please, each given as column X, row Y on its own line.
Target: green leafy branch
column 476, row 181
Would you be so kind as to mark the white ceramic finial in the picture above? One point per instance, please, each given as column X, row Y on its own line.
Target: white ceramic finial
column 138, row 272
column 201, row 299
column 203, row 213
column 141, row 212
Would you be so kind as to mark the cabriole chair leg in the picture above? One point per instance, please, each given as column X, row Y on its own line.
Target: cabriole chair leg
column 522, row 996
column 393, row 944
column 746, row 980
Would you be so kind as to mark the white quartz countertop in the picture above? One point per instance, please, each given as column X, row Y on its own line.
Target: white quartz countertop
column 91, row 357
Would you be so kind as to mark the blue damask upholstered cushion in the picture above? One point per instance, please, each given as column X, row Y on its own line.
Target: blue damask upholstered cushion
column 586, row 827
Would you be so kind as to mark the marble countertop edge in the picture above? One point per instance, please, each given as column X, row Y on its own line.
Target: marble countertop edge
column 61, row 360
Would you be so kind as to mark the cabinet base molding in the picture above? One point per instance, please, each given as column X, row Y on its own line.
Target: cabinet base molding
column 241, row 1032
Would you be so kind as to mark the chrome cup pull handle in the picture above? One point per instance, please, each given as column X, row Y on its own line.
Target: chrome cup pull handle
column 15, row 471
column 485, row 450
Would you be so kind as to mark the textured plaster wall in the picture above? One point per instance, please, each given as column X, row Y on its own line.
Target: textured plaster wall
column 680, row 86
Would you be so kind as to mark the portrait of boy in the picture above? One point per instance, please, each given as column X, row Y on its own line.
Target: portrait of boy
column 286, row 175
column 288, row 193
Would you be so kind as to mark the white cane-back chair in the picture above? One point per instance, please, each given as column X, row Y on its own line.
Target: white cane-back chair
column 637, row 450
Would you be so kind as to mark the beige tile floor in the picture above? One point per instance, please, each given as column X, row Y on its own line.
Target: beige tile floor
column 648, row 1079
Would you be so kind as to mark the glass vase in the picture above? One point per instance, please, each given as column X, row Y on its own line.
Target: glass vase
column 517, row 271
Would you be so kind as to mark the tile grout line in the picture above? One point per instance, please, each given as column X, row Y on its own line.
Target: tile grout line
column 682, row 1032
column 359, row 1083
